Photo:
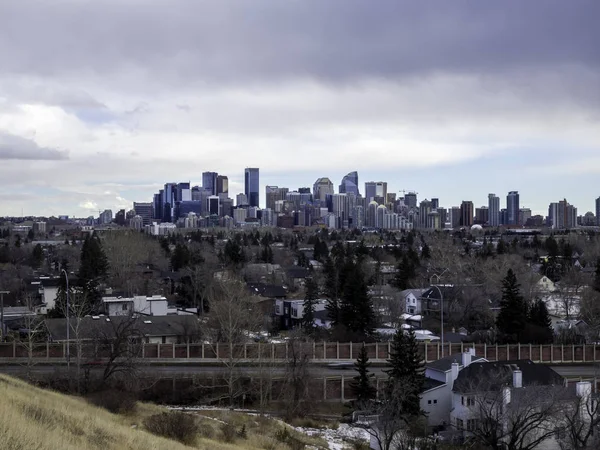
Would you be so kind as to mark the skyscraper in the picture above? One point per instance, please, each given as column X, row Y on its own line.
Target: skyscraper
column 494, row 210
column 322, row 187
column 375, row 189
column 410, row 199
column 273, row 194
column 252, row 185
column 222, row 184
column 512, row 207
column 209, row 182
column 466, row 214
column 144, row 210
column 350, row 184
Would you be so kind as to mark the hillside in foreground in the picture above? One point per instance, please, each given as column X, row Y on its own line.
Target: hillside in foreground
column 34, row 418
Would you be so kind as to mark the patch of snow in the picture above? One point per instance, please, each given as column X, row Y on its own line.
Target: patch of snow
column 337, row 439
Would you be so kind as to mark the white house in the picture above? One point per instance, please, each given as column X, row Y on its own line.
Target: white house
column 412, row 300
column 436, row 399
column 140, row 304
column 491, row 389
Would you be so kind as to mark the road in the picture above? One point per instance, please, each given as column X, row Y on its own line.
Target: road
column 319, row 370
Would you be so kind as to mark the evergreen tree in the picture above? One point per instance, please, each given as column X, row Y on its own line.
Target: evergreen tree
column 540, row 320
column 597, row 276
column 356, row 307
column 93, row 270
column 332, row 291
column 310, row 299
column 405, row 274
column 406, row 368
column 512, row 318
column 425, row 251
column 362, row 384
column 37, row 256
column 180, row 258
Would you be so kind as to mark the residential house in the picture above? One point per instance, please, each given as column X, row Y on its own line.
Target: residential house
column 440, row 375
column 413, row 300
column 491, row 389
column 138, row 304
column 296, row 275
column 151, row 330
column 289, row 313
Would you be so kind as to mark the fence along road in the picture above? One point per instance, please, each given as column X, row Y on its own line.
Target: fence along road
column 319, row 352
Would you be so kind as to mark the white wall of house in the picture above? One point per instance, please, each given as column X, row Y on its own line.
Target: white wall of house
column 413, row 304
column 437, row 403
column 154, row 306
column 50, row 294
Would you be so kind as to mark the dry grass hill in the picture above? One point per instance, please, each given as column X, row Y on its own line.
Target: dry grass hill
column 34, row 418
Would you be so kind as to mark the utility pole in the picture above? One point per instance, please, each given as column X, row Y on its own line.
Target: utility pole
column 67, row 314
column 2, row 313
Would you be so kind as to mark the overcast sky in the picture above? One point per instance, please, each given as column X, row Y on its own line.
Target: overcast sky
column 102, row 102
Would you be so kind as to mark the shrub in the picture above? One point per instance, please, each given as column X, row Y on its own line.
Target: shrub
column 115, row 401
column 173, row 425
column 229, row 433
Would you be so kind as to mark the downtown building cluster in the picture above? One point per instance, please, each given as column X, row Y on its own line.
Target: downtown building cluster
column 180, row 205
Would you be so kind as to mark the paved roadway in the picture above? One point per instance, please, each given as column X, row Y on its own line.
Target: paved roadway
column 319, row 370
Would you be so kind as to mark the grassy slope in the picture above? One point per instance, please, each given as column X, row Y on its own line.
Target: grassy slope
column 33, row 418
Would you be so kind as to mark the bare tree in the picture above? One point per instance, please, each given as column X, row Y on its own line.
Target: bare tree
column 200, row 280
column 297, row 376
column 233, row 318
column 569, row 292
column 117, row 345
column 35, row 331
column 513, row 419
column 579, row 422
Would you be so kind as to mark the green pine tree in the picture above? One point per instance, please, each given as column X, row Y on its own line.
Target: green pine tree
column 405, row 274
column 539, row 318
column 93, row 270
column 362, row 384
column 513, row 314
column 356, row 307
column 310, row 299
column 406, row 369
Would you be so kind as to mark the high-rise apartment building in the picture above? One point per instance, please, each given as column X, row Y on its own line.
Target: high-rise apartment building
column 466, row 214
column 524, row 215
column 482, row 215
column 493, row 210
column 322, row 187
column 252, row 184
column 562, row 215
column 349, row 184
column 454, row 217
column 598, row 211
column 512, row 207
column 241, row 200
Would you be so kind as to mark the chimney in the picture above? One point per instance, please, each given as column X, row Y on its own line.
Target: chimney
column 466, row 359
column 517, row 378
column 583, row 389
column 454, row 372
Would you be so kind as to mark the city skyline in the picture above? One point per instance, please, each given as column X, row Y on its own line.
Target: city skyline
column 452, row 99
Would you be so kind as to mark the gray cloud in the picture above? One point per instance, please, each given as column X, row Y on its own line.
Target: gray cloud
column 16, row 147
column 228, row 41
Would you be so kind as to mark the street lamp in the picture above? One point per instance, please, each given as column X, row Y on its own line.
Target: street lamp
column 67, row 314
column 441, row 309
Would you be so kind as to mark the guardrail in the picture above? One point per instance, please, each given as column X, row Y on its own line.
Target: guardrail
column 318, row 351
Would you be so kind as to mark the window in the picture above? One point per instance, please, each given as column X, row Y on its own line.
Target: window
column 124, row 306
column 462, row 400
column 429, row 402
column 470, row 401
column 435, row 402
column 460, row 425
column 472, row 424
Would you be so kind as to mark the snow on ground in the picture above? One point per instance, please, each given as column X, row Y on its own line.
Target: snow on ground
column 337, row 439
